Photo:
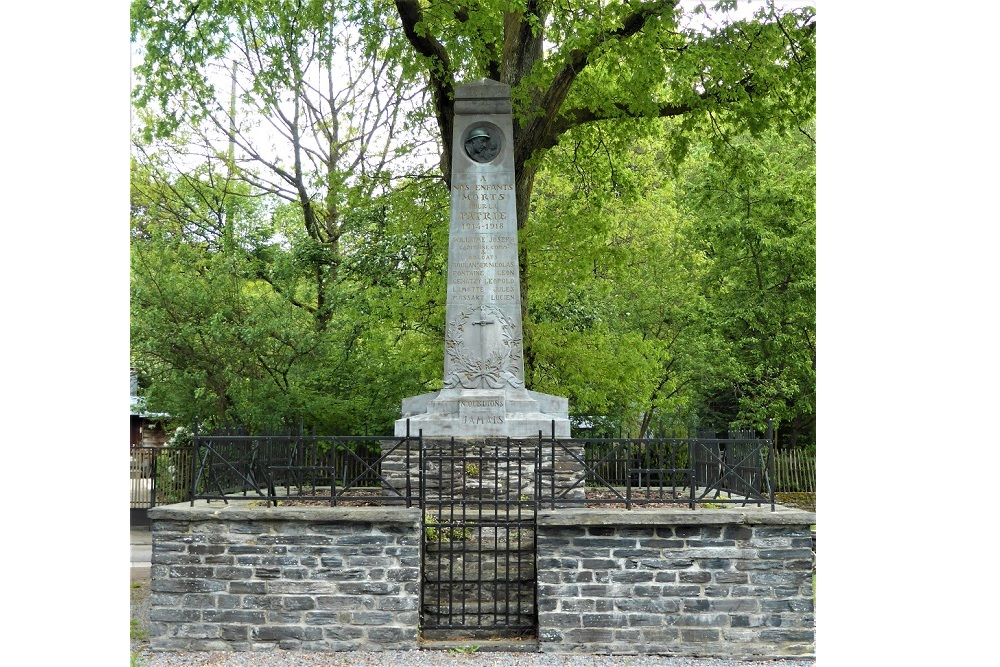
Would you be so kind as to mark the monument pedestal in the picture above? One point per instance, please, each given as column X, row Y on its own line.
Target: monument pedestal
column 464, row 413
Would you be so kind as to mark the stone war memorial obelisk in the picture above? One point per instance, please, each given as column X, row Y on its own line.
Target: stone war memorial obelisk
column 483, row 392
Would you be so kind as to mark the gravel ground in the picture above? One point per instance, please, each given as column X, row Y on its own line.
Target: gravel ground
column 437, row 658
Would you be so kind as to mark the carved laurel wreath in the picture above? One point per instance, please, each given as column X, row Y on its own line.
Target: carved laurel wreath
column 474, row 371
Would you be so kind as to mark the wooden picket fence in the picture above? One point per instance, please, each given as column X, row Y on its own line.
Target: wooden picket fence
column 794, row 471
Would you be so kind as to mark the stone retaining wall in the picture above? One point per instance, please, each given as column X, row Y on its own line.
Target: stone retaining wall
column 713, row 583
column 717, row 583
column 233, row 577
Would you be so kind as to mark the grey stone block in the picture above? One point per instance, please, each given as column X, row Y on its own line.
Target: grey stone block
column 785, row 554
column 248, row 587
column 632, row 576
column 695, row 604
column 219, row 560
column 339, row 602
column 549, row 635
column 234, row 633
column 228, row 572
column 226, row 601
column 797, row 605
column 403, row 574
column 233, row 616
column 270, row 633
column 370, row 618
column 602, row 620
column 605, row 543
column 645, row 620
column 368, row 587
column 589, row 636
column 327, row 618
column 734, row 605
column 343, row 634
column 338, row 574
column 174, row 559
column 396, row 604
column 298, row 602
column 559, row 620
column 167, row 599
column 267, row 572
column 392, row 635
column 277, row 617
column 186, row 586
column 175, row 615
column 788, row 635
column 777, row 578
column 245, row 549
column 209, row 549
column 737, row 532
column 575, row 605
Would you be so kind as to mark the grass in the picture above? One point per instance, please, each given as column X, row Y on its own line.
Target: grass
column 463, row 650
column 136, row 632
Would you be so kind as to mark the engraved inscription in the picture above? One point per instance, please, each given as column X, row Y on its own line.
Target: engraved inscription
column 483, row 410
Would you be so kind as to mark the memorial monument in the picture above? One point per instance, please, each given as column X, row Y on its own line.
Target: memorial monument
column 484, row 392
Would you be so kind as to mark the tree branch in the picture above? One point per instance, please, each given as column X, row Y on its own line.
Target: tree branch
column 540, row 132
column 442, row 79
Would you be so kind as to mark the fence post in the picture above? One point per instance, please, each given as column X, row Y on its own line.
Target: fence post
column 692, row 471
column 770, row 459
column 194, row 458
column 409, row 490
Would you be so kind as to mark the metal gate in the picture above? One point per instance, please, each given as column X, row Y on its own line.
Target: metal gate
column 479, row 539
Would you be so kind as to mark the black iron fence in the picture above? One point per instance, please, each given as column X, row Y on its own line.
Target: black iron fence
column 307, row 467
column 689, row 471
column 570, row 472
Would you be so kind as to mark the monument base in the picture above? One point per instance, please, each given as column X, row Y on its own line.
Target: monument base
column 469, row 413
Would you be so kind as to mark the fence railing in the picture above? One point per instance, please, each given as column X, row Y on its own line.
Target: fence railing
column 794, row 471
column 570, row 472
column 688, row 471
column 312, row 468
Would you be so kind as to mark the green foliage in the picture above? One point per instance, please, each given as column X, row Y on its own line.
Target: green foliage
column 173, row 478
column 434, row 533
column 619, row 322
column 298, row 275
column 754, row 212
